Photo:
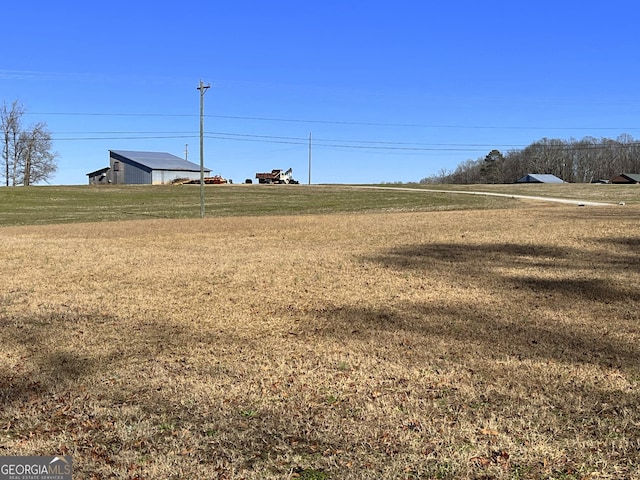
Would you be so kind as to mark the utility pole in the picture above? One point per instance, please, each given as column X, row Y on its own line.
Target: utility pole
column 186, row 151
column 203, row 88
column 309, row 158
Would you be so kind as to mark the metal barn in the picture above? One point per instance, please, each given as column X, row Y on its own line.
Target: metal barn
column 129, row 167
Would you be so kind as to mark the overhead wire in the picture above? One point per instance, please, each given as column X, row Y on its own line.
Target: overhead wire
column 390, row 146
column 331, row 122
column 349, row 144
column 318, row 142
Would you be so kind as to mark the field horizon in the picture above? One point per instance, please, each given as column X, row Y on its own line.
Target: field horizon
column 41, row 205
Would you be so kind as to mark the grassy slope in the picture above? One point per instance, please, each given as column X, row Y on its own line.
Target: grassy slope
column 65, row 204
column 42, row 205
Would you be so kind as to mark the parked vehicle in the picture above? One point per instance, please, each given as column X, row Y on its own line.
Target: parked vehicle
column 276, row 176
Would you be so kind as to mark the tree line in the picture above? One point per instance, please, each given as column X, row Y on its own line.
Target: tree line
column 577, row 161
column 27, row 156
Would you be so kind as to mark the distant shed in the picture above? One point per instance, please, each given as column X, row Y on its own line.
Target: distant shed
column 626, row 178
column 99, row 177
column 540, row 178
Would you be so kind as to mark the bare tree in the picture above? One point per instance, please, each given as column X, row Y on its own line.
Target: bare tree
column 515, row 166
column 586, row 160
column 27, row 154
column 10, row 119
column 37, row 160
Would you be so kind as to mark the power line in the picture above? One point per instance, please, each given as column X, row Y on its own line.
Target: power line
column 335, row 122
column 254, row 137
column 125, row 137
column 380, row 146
column 121, row 114
column 319, row 144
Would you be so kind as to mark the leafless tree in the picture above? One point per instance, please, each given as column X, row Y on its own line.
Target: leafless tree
column 38, row 162
column 10, row 120
column 586, row 160
column 27, row 153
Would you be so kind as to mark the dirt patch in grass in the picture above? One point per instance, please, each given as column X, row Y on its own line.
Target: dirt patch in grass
column 494, row 345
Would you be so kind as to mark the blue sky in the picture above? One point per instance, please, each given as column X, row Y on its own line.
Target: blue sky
column 389, row 91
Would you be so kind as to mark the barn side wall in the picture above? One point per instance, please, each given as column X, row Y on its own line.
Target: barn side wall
column 126, row 172
column 163, row 177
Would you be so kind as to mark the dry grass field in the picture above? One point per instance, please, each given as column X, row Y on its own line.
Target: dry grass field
column 497, row 344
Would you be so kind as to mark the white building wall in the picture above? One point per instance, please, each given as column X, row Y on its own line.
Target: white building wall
column 163, row 177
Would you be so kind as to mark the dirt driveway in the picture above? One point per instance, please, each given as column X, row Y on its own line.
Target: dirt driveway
column 582, row 203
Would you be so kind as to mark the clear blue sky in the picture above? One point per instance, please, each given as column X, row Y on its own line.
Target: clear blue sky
column 390, row 91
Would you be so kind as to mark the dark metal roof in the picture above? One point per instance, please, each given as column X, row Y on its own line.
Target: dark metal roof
column 158, row 160
column 98, row 172
column 635, row 177
column 540, row 178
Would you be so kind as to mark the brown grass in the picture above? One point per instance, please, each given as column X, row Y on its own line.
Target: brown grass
column 446, row 345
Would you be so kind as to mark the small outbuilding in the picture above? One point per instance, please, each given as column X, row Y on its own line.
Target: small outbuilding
column 540, row 178
column 128, row 167
column 626, row 178
column 99, row 177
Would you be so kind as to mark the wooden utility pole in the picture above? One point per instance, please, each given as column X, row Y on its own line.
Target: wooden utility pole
column 203, row 88
column 309, row 158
